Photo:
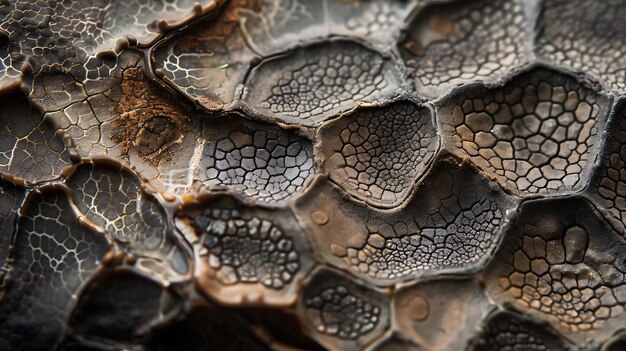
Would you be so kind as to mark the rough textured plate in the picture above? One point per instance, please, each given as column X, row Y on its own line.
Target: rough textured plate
column 313, row 175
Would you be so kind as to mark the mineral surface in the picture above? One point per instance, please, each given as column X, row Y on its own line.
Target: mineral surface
column 313, row 175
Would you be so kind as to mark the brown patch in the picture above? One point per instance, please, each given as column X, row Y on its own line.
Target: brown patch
column 319, row 217
column 210, row 105
column 148, row 121
column 444, row 26
column 418, row 308
column 414, row 48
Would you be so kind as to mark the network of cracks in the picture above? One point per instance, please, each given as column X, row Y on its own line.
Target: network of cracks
column 313, row 174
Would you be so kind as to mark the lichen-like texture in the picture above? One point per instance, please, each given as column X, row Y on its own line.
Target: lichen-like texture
column 383, row 175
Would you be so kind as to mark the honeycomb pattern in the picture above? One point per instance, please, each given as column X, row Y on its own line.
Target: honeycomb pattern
column 564, row 266
column 607, row 187
column 586, row 37
column 53, row 255
column 315, row 82
column 452, row 43
column 111, row 197
column 29, row 148
column 247, row 249
column 455, row 228
column 507, row 331
column 342, row 313
column 312, row 175
column 536, row 135
column 245, row 252
column 378, row 153
column 263, row 162
column 332, row 302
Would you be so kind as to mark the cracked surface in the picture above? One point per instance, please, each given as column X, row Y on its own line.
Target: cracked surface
column 64, row 36
column 333, row 304
column 261, row 161
column 453, row 228
column 564, row 266
column 280, row 24
column 507, row 331
column 210, row 60
column 539, row 134
column 312, row 175
column 587, row 37
column 11, row 198
column 608, row 184
column 29, row 147
column 377, row 154
column 317, row 81
column 341, row 312
column 112, row 197
column 248, row 250
column 54, row 255
column 242, row 246
column 463, row 41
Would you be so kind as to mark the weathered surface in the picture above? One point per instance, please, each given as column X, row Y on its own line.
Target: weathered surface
column 313, row 174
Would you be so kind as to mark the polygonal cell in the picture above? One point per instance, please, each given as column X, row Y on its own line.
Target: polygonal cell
column 208, row 61
column 264, row 162
column 608, row 186
column 442, row 228
column 122, row 305
column 341, row 313
column 29, row 147
column 141, row 20
column 154, row 132
column 377, row 153
column 376, row 21
column 246, row 254
column 586, row 35
column 84, row 110
column 312, row 83
column 562, row 262
column 462, row 41
column 11, row 198
column 206, row 328
column 135, row 121
column 111, row 197
column 54, row 255
column 539, row 134
column 9, row 74
column 126, row 116
column 441, row 314
column 508, row 331
column 46, row 35
column 285, row 23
